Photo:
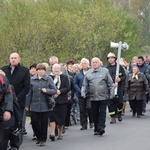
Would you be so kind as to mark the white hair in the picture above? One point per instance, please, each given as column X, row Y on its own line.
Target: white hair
column 58, row 65
column 84, row 59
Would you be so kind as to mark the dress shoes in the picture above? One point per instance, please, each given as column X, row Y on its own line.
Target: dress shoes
column 96, row 133
column 52, row 137
column 34, row 138
column 60, row 137
column 38, row 142
column 142, row 115
column 83, row 128
column 24, row 132
column 42, row 143
column 13, row 148
column 102, row 131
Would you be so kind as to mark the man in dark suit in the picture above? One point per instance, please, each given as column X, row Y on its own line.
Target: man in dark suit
column 19, row 77
column 84, row 102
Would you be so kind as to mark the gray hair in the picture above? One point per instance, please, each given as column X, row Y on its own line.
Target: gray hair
column 76, row 65
column 53, row 57
column 85, row 60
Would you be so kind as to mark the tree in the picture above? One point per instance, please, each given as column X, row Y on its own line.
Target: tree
column 67, row 29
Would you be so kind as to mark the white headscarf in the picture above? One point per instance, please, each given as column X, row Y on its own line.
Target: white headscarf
column 57, row 80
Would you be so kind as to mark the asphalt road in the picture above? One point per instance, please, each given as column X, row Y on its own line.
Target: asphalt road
column 130, row 134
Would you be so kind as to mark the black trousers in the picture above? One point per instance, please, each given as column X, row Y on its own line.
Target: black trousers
column 1, row 134
column 40, row 124
column 99, row 114
column 85, row 111
column 114, row 107
column 6, row 138
column 67, row 120
column 137, row 106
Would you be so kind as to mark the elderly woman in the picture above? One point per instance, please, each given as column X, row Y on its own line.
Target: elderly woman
column 58, row 115
column 41, row 84
column 136, row 88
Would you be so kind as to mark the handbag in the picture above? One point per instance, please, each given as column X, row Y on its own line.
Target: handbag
column 16, row 138
column 50, row 101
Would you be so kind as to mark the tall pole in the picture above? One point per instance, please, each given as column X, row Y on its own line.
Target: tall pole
column 120, row 46
column 118, row 65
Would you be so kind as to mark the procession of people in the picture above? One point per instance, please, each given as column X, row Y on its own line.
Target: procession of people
column 90, row 85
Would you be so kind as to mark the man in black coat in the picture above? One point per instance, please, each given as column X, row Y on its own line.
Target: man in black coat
column 19, row 77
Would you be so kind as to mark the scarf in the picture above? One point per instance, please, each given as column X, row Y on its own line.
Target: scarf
column 135, row 75
column 57, row 80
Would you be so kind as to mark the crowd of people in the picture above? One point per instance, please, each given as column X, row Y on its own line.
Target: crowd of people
column 91, row 86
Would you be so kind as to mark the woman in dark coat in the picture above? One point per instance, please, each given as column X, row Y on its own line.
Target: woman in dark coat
column 13, row 124
column 41, row 84
column 136, row 88
column 58, row 115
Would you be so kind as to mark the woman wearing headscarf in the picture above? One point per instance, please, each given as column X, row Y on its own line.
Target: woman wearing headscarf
column 58, row 114
column 136, row 88
column 36, row 100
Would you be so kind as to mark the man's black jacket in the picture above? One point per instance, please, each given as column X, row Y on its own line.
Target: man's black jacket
column 20, row 79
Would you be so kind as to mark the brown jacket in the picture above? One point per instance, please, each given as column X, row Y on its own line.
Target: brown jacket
column 136, row 89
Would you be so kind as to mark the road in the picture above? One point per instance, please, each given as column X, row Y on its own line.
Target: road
column 130, row 134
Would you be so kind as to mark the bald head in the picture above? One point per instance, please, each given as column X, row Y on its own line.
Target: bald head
column 95, row 63
column 14, row 59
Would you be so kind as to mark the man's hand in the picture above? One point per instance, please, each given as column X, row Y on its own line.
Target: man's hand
column 55, row 95
column 6, row 115
column 58, row 92
column 26, row 108
column 44, row 90
column 115, row 85
column 117, row 79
